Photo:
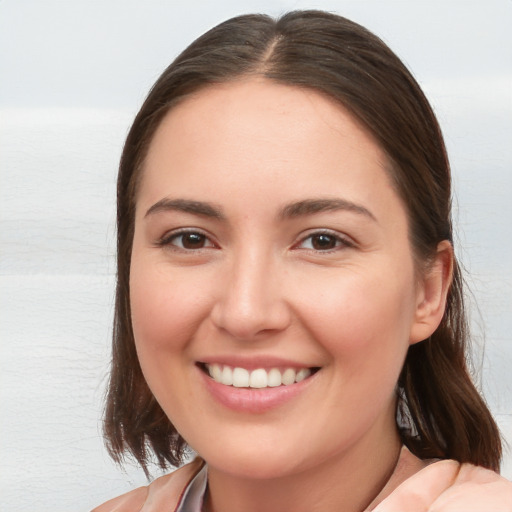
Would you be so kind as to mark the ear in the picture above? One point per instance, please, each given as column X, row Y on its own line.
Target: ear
column 433, row 289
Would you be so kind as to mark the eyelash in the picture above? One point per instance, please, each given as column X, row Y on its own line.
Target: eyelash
column 168, row 239
column 332, row 236
column 340, row 241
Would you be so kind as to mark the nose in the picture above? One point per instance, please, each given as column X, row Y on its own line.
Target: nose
column 252, row 303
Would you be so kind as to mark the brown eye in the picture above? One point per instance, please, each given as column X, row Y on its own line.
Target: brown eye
column 192, row 240
column 187, row 240
column 323, row 242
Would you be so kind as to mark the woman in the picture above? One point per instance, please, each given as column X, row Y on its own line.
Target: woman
column 289, row 304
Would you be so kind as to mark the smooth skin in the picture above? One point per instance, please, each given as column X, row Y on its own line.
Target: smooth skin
column 267, row 228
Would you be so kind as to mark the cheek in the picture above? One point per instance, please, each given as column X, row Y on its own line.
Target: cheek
column 362, row 319
column 165, row 310
column 167, row 314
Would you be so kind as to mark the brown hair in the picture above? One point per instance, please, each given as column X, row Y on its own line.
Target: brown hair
column 440, row 412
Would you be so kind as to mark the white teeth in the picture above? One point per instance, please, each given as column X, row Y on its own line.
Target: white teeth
column 258, row 379
column 302, row 374
column 288, row 376
column 240, row 378
column 227, row 376
column 216, row 372
column 274, row 378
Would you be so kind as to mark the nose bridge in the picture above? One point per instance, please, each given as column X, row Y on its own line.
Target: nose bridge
column 252, row 300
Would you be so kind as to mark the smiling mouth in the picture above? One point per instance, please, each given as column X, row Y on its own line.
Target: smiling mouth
column 259, row 378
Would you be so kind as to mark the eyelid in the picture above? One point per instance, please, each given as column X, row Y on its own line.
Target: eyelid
column 345, row 241
column 166, row 239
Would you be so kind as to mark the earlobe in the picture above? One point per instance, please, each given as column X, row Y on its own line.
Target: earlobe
column 432, row 293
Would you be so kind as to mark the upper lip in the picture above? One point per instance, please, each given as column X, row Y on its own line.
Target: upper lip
column 255, row 362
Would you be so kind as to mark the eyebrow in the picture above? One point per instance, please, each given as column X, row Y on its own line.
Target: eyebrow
column 187, row 206
column 312, row 206
column 292, row 210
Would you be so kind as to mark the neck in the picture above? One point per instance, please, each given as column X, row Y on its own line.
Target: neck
column 349, row 481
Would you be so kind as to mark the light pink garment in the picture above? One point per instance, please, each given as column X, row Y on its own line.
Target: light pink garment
column 414, row 486
column 162, row 495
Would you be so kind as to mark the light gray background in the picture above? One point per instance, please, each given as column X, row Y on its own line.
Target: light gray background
column 72, row 74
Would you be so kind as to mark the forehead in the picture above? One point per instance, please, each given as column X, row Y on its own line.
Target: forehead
column 262, row 135
column 260, row 108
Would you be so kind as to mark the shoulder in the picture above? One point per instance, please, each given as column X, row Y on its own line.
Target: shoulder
column 448, row 486
column 164, row 493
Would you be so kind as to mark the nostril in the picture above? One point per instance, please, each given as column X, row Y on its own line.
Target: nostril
column 248, row 320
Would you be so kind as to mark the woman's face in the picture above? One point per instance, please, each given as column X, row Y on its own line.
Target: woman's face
column 270, row 247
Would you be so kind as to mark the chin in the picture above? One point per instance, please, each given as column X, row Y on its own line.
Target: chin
column 259, row 461
column 255, row 468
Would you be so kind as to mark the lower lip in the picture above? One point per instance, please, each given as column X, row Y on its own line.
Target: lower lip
column 254, row 400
